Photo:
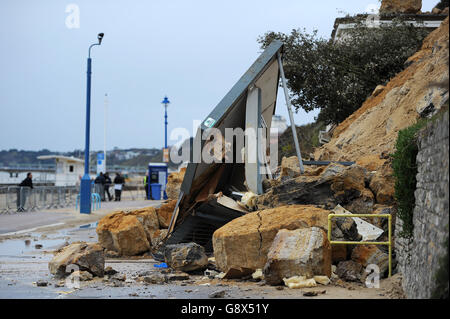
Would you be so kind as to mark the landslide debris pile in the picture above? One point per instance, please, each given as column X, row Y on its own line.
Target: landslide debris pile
column 369, row 134
column 282, row 236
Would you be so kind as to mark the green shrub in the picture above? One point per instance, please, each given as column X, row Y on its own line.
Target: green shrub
column 405, row 171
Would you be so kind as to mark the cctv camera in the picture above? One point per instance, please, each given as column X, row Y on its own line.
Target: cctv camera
column 100, row 37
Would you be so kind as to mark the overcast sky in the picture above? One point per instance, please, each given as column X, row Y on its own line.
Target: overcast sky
column 193, row 51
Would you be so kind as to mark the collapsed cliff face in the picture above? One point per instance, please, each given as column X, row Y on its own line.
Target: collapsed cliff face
column 370, row 133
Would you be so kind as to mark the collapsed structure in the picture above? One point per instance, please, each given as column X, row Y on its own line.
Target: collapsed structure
column 250, row 104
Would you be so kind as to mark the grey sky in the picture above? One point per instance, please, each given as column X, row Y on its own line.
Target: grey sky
column 193, row 51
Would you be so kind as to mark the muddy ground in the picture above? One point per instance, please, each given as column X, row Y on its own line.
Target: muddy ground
column 24, row 258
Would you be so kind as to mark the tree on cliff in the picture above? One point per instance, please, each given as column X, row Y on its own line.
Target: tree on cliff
column 337, row 76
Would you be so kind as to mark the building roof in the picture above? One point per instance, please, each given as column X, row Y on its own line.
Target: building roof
column 420, row 20
column 60, row 157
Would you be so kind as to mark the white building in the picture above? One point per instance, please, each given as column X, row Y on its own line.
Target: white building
column 69, row 170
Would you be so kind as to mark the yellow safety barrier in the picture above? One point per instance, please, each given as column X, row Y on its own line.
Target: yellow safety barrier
column 388, row 243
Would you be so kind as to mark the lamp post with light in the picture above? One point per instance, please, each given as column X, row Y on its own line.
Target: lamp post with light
column 85, row 187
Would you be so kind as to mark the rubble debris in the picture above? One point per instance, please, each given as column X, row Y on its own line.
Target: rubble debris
column 400, row 6
column 41, row 283
column 329, row 186
column 301, row 252
column 110, row 271
column 313, row 293
column 157, row 237
column 367, row 230
column 87, row 256
column 185, row 257
column 111, row 254
column 245, row 241
column 323, row 280
column 165, row 213
column 174, row 181
column 218, row 294
column 371, row 254
column 80, row 275
column 297, row 282
column 155, row 278
column 237, row 272
column 211, row 274
column 177, row 276
column 258, row 275
column 349, row 270
column 128, row 233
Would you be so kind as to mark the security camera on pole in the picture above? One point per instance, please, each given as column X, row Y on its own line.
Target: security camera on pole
column 85, row 189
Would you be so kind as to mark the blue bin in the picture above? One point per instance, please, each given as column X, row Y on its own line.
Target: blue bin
column 156, row 191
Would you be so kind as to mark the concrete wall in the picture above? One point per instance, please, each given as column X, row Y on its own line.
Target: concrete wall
column 418, row 258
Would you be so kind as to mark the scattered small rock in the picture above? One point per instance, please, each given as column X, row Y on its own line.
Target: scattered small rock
column 38, row 246
column 110, row 271
column 218, row 294
column 41, row 283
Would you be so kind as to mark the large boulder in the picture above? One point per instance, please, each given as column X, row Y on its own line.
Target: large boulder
column 300, row 252
column 165, row 213
column 128, row 233
column 245, row 241
column 86, row 256
column 174, row 181
column 185, row 257
column 382, row 185
column 400, row 6
column 290, row 167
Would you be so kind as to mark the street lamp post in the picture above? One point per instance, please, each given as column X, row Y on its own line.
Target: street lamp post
column 165, row 102
column 166, row 151
column 85, row 190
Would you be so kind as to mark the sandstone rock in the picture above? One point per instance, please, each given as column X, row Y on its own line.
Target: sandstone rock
column 87, row 256
column 350, row 184
column 245, row 241
column 363, row 204
column 165, row 213
column 301, row 252
column 238, row 272
column 157, row 236
column 174, row 181
column 289, row 167
column 371, row 254
column 378, row 90
column 128, row 233
column 382, row 184
column 349, row 270
column 400, row 6
column 323, row 280
column 185, row 257
column 297, row 282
